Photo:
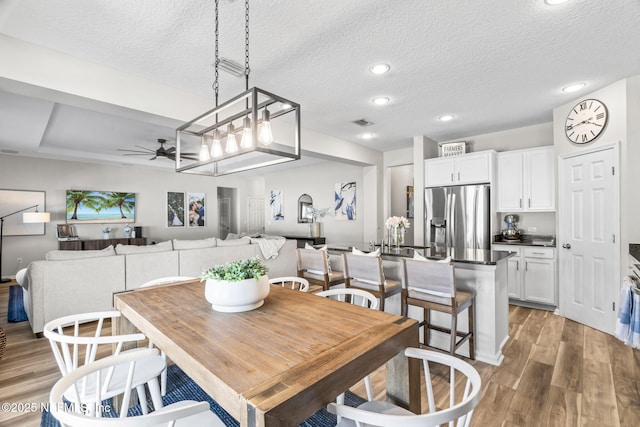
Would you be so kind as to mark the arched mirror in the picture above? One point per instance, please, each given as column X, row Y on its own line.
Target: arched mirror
column 304, row 202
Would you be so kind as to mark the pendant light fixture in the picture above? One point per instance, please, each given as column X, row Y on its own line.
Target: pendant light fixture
column 268, row 125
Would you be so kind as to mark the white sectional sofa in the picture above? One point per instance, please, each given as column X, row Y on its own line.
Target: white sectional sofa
column 69, row 282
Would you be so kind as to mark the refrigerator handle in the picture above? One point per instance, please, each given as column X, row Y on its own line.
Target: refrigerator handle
column 451, row 225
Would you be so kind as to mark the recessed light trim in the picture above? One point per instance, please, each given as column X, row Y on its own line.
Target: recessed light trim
column 381, row 100
column 367, row 135
column 379, row 68
column 574, row 87
column 446, row 117
column 554, row 2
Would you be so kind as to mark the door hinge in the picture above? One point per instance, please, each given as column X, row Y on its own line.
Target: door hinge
column 614, row 238
column 613, row 170
column 614, row 306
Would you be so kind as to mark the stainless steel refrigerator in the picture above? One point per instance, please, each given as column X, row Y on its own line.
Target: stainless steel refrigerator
column 458, row 216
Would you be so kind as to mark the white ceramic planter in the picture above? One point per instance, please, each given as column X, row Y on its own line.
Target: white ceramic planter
column 234, row 297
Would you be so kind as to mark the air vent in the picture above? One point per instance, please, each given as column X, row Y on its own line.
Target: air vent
column 362, row 122
column 231, row 67
column 8, row 151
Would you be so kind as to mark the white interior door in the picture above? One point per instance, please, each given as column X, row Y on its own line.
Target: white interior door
column 588, row 226
column 255, row 215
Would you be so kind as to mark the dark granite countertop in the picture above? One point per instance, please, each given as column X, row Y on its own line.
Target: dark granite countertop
column 471, row 256
column 527, row 240
column 634, row 250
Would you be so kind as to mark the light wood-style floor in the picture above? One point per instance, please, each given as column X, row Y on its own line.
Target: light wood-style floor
column 556, row 373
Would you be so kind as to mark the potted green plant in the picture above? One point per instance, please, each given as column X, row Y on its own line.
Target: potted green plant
column 236, row 286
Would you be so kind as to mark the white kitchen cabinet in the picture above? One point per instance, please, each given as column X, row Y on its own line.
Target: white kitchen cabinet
column 526, row 180
column 471, row 168
column 531, row 274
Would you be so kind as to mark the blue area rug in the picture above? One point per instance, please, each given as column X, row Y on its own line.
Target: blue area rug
column 181, row 387
column 15, row 311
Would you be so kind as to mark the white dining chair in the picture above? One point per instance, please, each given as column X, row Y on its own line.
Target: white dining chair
column 68, row 406
column 356, row 297
column 463, row 394
column 164, row 281
column 69, row 344
column 291, row 282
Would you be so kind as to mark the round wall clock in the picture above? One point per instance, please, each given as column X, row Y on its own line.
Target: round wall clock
column 586, row 121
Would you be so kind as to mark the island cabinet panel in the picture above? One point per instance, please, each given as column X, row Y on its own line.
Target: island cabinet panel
column 97, row 244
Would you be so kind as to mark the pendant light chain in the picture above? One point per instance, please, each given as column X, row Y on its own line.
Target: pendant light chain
column 216, row 84
column 246, row 44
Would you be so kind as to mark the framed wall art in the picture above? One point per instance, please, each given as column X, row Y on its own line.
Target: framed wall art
column 345, row 201
column 175, row 209
column 100, row 206
column 276, row 205
column 196, row 209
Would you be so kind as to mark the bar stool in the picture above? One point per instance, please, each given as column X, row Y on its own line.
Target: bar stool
column 313, row 265
column 365, row 272
column 432, row 286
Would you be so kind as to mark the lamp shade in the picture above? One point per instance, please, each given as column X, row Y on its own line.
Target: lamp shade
column 36, row 217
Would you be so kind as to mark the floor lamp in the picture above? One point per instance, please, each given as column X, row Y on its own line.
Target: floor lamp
column 27, row 217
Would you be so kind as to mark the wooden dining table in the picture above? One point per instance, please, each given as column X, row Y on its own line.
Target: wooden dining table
column 278, row 364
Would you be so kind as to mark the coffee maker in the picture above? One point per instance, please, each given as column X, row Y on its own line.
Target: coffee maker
column 511, row 231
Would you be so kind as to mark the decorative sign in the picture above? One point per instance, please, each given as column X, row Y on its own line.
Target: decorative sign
column 449, row 149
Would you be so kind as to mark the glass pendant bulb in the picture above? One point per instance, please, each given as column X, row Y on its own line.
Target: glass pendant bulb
column 216, row 147
column 247, row 139
column 265, row 135
column 232, row 145
column 204, row 151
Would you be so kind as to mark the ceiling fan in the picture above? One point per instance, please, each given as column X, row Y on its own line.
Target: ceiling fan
column 169, row 153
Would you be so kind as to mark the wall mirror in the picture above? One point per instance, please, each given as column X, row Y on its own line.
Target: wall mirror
column 304, row 202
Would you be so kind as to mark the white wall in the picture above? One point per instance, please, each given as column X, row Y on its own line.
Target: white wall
column 150, row 185
column 318, row 181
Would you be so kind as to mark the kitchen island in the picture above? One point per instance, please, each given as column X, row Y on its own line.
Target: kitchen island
column 483, row 271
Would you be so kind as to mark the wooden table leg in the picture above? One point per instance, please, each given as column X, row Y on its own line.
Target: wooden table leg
column 403, row 381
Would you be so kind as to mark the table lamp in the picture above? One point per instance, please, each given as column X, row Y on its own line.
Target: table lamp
column 27, row 217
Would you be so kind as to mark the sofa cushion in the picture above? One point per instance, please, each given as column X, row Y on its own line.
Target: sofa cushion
column 65, row 255
column 134, row 249
column 194, row 244
column 235, row 242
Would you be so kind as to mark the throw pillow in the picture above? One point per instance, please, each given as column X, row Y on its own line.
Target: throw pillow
column 133, row 249
column 359, row 252
column 194, row 244
column 419, row 257
column 321, row 248
column 65, row 255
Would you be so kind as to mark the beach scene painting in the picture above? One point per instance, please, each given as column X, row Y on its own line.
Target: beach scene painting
column 100, row 206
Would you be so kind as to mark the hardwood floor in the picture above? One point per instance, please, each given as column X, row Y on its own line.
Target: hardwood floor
column 556, row 373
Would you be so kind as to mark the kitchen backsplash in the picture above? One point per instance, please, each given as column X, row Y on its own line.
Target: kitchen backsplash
column 542, row 222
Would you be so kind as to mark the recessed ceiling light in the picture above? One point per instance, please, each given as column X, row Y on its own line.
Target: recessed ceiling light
column 368, row 135
column 554, row 2
column 573, row 87
column 379, row 68
column 381, row 100
column 446, row 118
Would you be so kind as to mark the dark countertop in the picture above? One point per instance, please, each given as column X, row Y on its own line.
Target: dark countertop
column 634, row 250
column 527, row 240
column 437, row 252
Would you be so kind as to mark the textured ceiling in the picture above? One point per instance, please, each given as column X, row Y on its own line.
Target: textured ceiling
column 495, row 64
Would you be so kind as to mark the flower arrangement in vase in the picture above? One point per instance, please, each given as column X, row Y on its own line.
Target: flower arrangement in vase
column 396, row 226
column 236, row 286
column 314, row 225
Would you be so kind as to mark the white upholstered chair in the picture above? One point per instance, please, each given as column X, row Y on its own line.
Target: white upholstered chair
column 432, row 286
column 365, row 272
column 313, row 265
column 296, row 283
column 73, row 350
column 164, row 281
column 66, row 397
column 356, row 297
column 453, row 403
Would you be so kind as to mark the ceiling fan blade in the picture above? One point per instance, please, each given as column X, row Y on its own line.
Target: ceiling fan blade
column 189, row 157
column 135, row 154
column 153, row 158
column 132, row 151
column 145, row 148
column 171, row 149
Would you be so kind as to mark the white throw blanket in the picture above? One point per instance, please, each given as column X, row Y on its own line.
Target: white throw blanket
column 628, row 322
column 270, row 246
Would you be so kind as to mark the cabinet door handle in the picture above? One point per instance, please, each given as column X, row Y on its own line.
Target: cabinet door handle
column 521, row 203
column 537, row 253
column 526, row 266
column 529, row 202
column 518, row 265
column 451, row 176
column 458, row 176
